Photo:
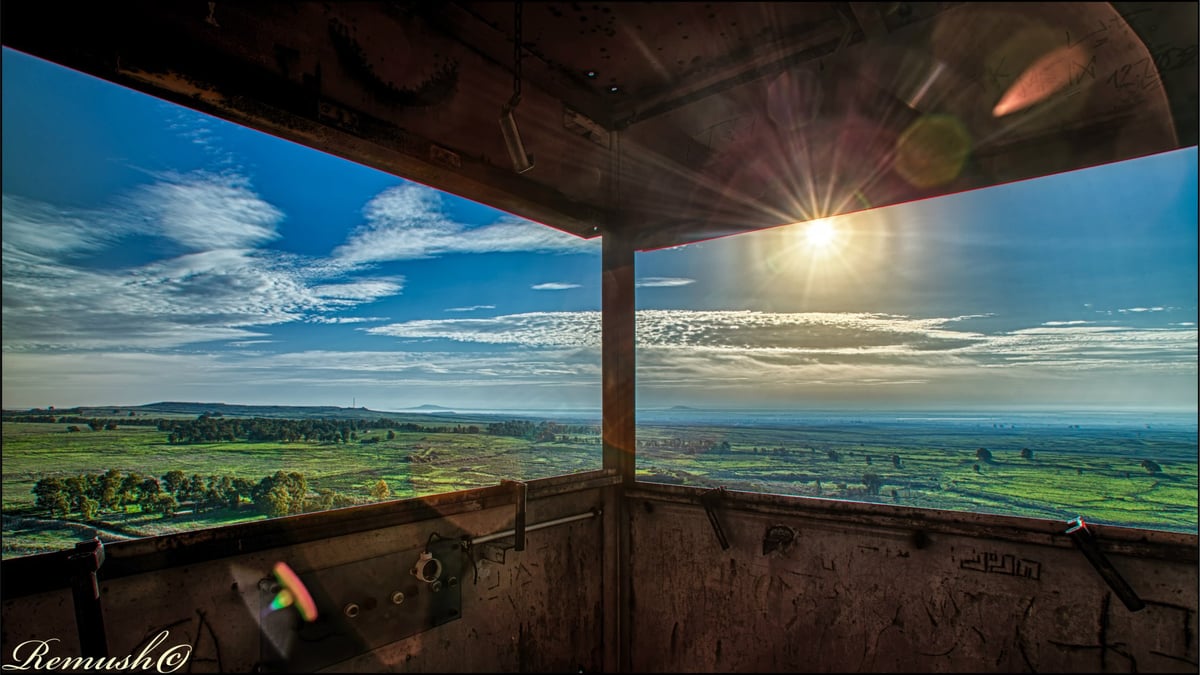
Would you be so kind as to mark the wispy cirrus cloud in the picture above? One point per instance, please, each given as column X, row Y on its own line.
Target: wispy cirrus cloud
column 472, row 308
column 62, row 292
column 338, row 320
column 663, row 282
column 202, row 211
column 35, row 229
column 830, row 339
column 554, row 286
column 409, row 222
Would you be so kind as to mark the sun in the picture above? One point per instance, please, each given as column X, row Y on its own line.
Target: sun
column 820, row 235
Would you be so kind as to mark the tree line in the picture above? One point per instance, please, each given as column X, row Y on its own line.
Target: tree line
column 280, row 494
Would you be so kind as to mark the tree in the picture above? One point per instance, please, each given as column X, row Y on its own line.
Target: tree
column 834, row 456
column 51, row 495
column 174, row 481
column 88, row 507
column 391, row 435
column 896, row 461
column 1151, row 466
column 243, row 488
column 276, row 502
column 325, row 499
column 110, row 489
column 976, row 467
column 983, row 455
column 873, row 482
column 381, row 490
column 163, row 503
column 150, row 487
column 281, row 493
column 130, row 490
column 1026, row 453
column 73, row 488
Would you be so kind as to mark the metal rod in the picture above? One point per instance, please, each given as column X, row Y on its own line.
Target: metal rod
column 536, row 526
column 1086, row 541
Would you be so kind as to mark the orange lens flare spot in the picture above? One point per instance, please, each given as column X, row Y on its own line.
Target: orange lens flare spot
column 1044, row 78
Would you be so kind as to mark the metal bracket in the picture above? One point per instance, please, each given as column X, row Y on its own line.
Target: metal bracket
column 1086, row 541
column 85, row 561
column 494, row 552
column 709, row 500
column 521, row 493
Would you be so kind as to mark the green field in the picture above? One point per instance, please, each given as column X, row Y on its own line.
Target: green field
column 1096, row 474
column 412, row 464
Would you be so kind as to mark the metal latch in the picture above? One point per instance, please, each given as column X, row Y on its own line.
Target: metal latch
column 85, row 561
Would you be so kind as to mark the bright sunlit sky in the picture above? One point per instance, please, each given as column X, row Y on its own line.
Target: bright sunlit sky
column 151, row 253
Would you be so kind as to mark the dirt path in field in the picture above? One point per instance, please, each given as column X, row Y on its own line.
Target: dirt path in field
column 84, row 531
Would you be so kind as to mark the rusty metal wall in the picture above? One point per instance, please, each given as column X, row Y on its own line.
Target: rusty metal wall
column 864, row 588
column 858, row 588
column 541, row 609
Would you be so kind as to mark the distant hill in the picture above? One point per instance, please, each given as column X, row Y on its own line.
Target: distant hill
column 186, row 409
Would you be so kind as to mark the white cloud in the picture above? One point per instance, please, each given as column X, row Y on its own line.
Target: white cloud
column 535, row 329
column 1138, row 310
column 32, row 228
column 345, row 319
column 408, row 222
column 828, row 339
column 472, row 308
column 203, row 211
column 663, row 282
column 554, row 286
column 56, row 297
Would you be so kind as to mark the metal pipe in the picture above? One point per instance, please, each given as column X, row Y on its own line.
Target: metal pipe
column 536, row 526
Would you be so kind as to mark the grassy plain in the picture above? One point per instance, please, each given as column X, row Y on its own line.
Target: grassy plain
column 1096, row 473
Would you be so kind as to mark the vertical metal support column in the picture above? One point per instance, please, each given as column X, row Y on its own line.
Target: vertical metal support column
column 618, row 427
column 617, row 340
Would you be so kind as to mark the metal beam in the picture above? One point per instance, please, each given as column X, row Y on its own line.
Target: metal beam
column 617, row 338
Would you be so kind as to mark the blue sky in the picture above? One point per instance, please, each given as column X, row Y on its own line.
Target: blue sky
column 152, row 253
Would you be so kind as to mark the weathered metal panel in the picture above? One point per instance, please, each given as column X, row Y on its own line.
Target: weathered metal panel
column 863, row 597
column 541, row 609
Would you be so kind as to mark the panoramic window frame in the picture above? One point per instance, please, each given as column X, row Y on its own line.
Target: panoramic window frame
column 871, row 484
column 558, row 310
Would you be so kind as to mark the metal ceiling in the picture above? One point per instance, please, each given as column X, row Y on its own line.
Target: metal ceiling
column 666, row 122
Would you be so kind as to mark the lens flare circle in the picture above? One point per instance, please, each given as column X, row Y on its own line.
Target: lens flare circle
column 293, row 593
